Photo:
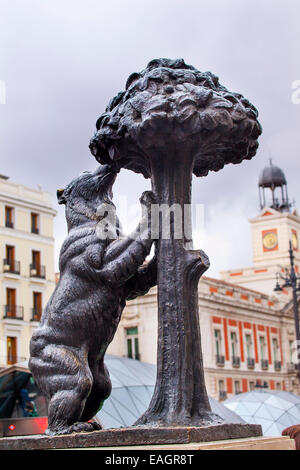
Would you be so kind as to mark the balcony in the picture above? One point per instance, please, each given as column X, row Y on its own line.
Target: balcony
column 236, row 362
column 35, row 230
column 222, row 395
column 220, row 360
column 11, row 266
column 9, row 224
column 36, row 314
column 264, row 364
column 10, row 360
column 38, row 271
column 277, row 366
column 251, row 363
column 13, row 311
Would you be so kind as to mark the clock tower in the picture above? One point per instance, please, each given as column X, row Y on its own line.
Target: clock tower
column 273, row 228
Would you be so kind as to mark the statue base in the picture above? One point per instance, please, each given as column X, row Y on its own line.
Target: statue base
column 134, row 436
column 250, row 443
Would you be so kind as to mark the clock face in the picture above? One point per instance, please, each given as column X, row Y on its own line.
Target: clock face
column 270, row 240
column 295, row 241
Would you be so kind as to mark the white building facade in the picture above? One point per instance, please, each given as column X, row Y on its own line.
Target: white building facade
column 27, row 276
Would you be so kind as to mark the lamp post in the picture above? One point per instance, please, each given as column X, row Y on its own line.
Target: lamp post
column 291, row 280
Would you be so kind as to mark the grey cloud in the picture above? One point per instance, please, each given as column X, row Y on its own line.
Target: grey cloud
column 63, row 60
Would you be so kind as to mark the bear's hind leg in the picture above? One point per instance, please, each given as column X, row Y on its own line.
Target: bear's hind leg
column 65, row 409
column 63, row 375
column 100, row 391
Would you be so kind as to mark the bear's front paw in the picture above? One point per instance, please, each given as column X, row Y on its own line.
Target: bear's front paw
column 148, row 198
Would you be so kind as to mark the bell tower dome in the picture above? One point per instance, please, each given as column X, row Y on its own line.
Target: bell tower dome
column 272, row 230
column 272, row 180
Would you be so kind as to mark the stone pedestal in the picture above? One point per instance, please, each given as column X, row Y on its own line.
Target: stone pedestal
column 134, row 437
column 252, row 443
column 182, row 439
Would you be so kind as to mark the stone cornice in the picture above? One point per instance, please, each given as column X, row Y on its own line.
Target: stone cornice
column 28, row 204
column 35, row 238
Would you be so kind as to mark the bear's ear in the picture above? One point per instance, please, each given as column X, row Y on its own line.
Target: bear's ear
column 60, row 196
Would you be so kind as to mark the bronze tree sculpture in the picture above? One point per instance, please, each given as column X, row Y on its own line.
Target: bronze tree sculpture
column 170, row 122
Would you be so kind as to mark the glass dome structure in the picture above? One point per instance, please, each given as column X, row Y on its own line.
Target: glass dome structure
column 132, row 389
column 274, row 410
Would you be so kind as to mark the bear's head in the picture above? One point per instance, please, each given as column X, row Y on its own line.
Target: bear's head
column 86, row 193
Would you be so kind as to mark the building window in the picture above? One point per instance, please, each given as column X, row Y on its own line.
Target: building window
column 9, row 217
column 249, row 352
column 36, row 269
column 34, row 223
column 9, row 259
column 275, row 349
column 220, row 359
column 237, row 387
column 233, row 338
column 249, row 348
column 11, row 346
column 10, row 265
column 36, row 258
column 251, row 386
column 236, row 361
column 262, row 347
column 37, row 306
column 292, row 352
column 132, row 340
column 11, row 307
column 277, row 360
column 10, row 254
column 222, row 391
column 218, row 342
column 278, row 386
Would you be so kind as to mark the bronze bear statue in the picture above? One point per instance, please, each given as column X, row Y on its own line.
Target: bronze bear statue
column 97, row 276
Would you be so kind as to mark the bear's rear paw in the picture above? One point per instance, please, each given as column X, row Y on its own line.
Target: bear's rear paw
column 85, row 427
column 76, row 427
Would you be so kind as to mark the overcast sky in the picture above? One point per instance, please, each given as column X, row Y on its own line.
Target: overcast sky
column 62, row 61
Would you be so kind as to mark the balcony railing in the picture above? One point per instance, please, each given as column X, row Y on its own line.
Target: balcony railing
column 36, row 314
column 10, row 359
column 277, row 366
column 9, row 224
column 264, row 364
column 236, row 361
column 13, row 311
column 251, row 363
column 220, row 360
column 35, row 230
column 11, row 266
column 37, row 270
column 222, row 395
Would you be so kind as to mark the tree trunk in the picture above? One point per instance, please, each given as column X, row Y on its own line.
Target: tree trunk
column 180, row 396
